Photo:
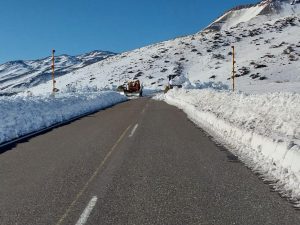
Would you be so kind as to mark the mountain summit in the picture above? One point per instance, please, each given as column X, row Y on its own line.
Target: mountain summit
column 246, row 13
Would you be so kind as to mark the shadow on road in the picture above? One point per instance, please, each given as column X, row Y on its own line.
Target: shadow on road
column 26, row 138
column 14, row 144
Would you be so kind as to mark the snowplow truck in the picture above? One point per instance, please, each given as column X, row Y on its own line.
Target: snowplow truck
column 133, row 88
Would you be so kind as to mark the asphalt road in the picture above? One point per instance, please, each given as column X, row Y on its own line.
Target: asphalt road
column 140, row 162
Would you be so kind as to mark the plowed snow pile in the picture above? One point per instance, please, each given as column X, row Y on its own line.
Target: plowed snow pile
column 22, row 115
column 262, row 130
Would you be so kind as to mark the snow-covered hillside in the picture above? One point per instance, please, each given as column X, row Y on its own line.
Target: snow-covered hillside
column 267, row 51
column 19, row 75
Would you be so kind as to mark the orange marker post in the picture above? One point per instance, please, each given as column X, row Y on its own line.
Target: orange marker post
column 233, row 68
column 53, row 78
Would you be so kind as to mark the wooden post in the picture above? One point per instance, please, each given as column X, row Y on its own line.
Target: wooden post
column 53, row 78
column 233, row 68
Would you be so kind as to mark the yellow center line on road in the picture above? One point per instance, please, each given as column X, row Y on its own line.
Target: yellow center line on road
column 61, row 220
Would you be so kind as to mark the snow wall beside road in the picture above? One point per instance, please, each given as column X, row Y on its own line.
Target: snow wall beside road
column 262, row 130
column 23, row 115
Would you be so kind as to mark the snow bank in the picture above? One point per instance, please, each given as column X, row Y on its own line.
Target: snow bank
column 262, row 130
column 22, row 115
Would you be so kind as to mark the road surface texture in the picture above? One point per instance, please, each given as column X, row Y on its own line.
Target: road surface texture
column 139, row 162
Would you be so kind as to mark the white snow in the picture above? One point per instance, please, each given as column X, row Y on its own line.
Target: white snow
column 22, row 115
column 262, row 130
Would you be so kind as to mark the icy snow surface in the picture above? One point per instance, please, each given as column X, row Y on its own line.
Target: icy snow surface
column 262, row 130
column 22, row 115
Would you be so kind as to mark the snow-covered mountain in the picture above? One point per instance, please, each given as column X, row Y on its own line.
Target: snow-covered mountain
column 245, row 13
column 19, row 75
column 266, row 38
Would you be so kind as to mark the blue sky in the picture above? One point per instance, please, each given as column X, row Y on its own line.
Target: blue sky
column 31, row 28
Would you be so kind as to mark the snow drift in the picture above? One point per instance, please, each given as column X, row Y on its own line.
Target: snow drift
column 22, row 115
column 262, row 130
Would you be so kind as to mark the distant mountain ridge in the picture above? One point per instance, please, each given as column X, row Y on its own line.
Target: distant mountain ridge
column 18, row 75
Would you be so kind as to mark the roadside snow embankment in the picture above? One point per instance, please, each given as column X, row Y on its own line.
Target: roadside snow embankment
column 23, row 115
column 262, row 130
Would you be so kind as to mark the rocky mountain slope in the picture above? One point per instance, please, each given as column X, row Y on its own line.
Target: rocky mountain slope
column 267, row 54
column 16, row 76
